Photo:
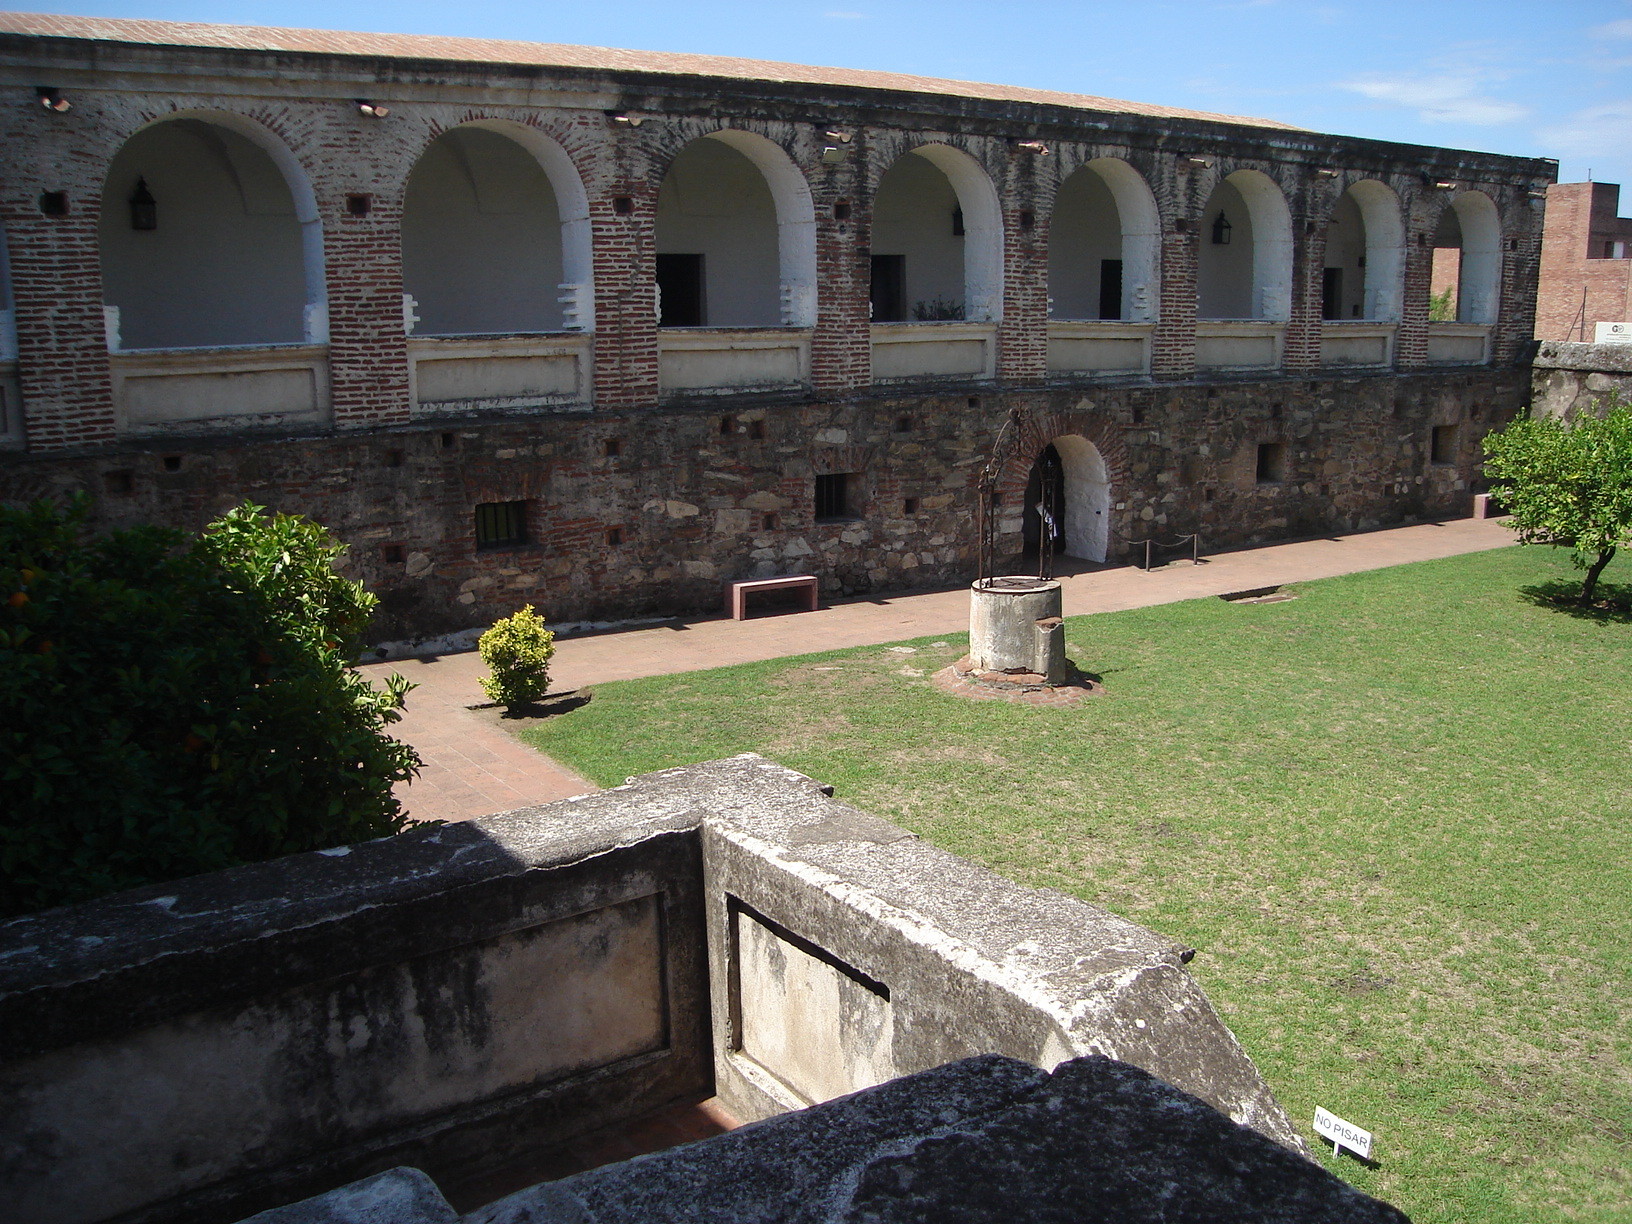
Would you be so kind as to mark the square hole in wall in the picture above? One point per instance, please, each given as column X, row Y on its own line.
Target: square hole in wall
column 727, row 426
column 614, row 536
column 833, row 496
column 1138, row 415
column 756, row 430
column 172, row 463
column 1271, row 462
column 391, row 554
column 903, row 424
column 1207, row 495
column 974, row 401
column 841, row 210
column 623, row 205
column 612, row 448
column 449, row 441
column 909, row 506
column 359, row 204
column 121, row 482
column 768, row 522
column 1443, row 448
column 395, row 458
column 501, row 524
column 54, row 203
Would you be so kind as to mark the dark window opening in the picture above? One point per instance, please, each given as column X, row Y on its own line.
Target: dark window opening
column 832, row 496
column 623, row 205
column 614, row 536
column 1271, row 462
column 756, row 430
column 612, row 448
column 1138, row 415
column 903, row 424
column 889, row 288
column 841, row 210
column 54, row 203
column 1027, row 219
column 394, row 458
column 449, row 441
column 359, row 204
column 1110, row 288
column 1331, row 293
column 1207, row 495
column 1444, row 444
column 727, row 427
column 121, row 482
column 1041, row 524
column 501, row 524
column 768, row 523
column 680, row 290
column 957, row 223
column 172, row 463
column 391, row 554
column 909, row 506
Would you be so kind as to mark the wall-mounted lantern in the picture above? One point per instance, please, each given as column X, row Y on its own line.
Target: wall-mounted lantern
column 50, row 97
column 1221, row 230
column 144, row 209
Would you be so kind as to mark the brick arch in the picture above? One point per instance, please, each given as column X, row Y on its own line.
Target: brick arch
column 1480, row 220
column 267, row 132
column 979, row 198
column 1040, row 430
column 566, row 178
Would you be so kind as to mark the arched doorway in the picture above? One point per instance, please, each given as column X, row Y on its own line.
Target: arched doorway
column 937, row 252
column 1069, row 481
column 1103, row 245
column 1244, row 266
column 1468, row 260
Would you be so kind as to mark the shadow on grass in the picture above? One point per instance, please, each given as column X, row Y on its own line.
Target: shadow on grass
column 1611, row 606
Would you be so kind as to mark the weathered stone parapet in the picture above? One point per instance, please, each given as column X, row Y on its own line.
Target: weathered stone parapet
column 1571, row 378
column 453, row 998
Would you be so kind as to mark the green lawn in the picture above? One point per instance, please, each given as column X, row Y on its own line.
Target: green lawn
column 1391, row 814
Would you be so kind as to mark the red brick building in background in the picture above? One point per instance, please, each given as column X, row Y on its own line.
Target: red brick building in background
column 1586, row 262
column 600, row 329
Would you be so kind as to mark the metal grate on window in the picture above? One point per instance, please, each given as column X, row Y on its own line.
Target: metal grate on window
column 832, row 501
column 500, row 524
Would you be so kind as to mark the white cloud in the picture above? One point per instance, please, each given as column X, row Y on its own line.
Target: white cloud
column 1613, row 29
column 844, row 15
column 1596, row 135
column 1450, row 97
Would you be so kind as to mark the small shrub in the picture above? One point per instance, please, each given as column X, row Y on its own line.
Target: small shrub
column 517, row 650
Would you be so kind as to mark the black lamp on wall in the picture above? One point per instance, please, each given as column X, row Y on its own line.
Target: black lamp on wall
column 144, row 209
column 1221, row 230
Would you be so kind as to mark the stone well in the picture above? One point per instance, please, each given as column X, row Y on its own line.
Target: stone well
column 1016, row 628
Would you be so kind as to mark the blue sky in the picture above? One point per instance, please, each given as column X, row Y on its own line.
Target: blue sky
column 1546, row 78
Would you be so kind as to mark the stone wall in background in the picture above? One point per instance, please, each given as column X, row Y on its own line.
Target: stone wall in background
column 642, row 513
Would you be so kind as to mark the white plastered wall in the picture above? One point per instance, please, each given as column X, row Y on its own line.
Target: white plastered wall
column 1104, row 210
column 912, row 216
column 718, row 201
column 1251, row 276
column 237, row 258
column 1087, row 498
column 1346, row 251
column 495, row 235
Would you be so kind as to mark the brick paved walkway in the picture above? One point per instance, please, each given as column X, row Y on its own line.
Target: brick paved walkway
column 474, row 767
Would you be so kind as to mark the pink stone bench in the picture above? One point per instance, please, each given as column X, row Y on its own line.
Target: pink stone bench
column 736, row 593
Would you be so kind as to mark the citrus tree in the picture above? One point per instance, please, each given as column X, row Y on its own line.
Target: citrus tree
column 1568, row 484
column 170, row 706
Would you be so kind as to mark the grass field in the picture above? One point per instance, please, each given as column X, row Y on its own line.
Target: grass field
column 1392, row 814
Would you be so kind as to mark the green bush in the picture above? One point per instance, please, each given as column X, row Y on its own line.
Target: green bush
column 1568, row 485
column 170, row 706
column 517, row 651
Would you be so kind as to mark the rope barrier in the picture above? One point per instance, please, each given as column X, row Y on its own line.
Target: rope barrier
column 1194, row 540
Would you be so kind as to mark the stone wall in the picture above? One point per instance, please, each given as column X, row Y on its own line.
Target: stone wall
column 454, row 998
column 1571, row 378
column 638, row 513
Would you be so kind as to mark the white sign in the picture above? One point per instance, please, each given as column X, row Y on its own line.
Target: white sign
column 1613, row 333
column 1343, row 1134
